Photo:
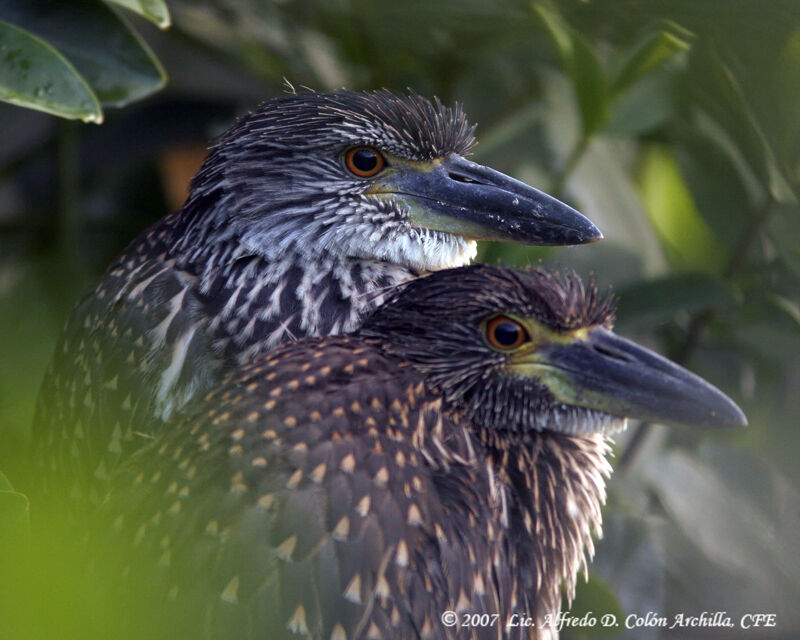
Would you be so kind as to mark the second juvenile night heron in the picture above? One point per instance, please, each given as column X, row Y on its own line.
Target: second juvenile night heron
column 303, row 214
column 449, row 456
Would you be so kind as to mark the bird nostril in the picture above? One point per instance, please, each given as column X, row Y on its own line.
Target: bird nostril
column 460, row 178
column 614, row 355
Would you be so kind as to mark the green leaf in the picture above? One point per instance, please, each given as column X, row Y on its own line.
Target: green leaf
column 154, row 10
column 590, row 83
column 34, row 75
column 650, row 302
column 582, row 65
column 672, row 212
column 651, row 52
column 593, row 600
column 106, row 51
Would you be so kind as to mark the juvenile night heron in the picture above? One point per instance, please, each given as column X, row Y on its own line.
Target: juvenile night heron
column 303, row 214
column 450, row 455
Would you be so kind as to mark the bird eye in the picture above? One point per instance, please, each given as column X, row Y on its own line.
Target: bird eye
column 365, row 162
column 505, row 334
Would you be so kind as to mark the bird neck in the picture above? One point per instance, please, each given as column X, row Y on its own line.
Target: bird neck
column 296, row 292
column 550, row 488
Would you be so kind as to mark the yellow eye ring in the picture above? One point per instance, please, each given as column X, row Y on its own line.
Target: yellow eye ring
column 505, row 334
column 364, row 162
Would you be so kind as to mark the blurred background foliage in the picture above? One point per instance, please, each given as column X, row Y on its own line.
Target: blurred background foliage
column 673, row 124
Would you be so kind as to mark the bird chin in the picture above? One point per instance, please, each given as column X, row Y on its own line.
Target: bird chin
column 446, row 252
column 426, row 250
column 578, row 421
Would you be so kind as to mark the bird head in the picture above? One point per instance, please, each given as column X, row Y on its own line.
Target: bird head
column 534, row 350
column 370, row 175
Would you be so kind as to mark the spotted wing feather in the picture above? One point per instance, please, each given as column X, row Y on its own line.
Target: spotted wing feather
column 296, row 503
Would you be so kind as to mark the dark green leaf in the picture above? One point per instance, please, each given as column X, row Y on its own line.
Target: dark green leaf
column 788, row 309
column 34, row 75
column 767, row 328
column 154, row 10
column 583, row 67
column 647, row 105
column 777, row 106
column 724, row 192
column 717, row 87
column 652, row 302
column 648, row 54
column 784, row 232
column 109, row 54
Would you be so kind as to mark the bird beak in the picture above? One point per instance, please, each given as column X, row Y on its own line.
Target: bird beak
column 461, row 197
column 600, row 370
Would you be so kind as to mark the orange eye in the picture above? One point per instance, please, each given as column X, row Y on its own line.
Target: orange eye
column 505, row 334
column 364, row 162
